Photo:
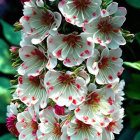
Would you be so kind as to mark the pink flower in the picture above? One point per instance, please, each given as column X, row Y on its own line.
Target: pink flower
column 59, row 110
column 11, row 125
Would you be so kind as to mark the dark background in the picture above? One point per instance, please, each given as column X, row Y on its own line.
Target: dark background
column 11, row 11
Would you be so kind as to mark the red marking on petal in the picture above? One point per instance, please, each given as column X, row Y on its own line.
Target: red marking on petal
column 33, row 98
column 78, row 86
column 70, row 97
column 109, row 85
column 94, row 14
column 110, row 77
column 115, row 31
column 47, row 83
column 103, row 11
column 58, row 53
column 77, row 110
column 74, row 102
column 114, row 58
column 24, row 98
column 89, row 43
column 27, row 18
column 98, row 133
column 93, row 120
column 102, row 124
column 87, row 52
column 20, row 80
column 27, row 55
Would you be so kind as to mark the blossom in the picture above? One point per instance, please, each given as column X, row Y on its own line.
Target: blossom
column 26, row 40
column 98, row 104
column 77, row 130
column 34, row 61
column 39, row 22
column 105, row 30
column 78, row 12
column 50, row 128
column 12, row 118
column 106, row 66
column 115, row 126
column 65, row 88
column 27, row 124
column 118, row 87
column 72, row 49
column 31, row 91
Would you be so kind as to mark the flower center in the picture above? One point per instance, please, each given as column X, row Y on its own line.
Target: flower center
column 47, row 19
column 103, row 63
column 57, row 129
column 82, row 126
column 34, row 126
column 105, row 26
column 71, row 40
column 94, row 99
column 111, row 125
column 81, row 4
column 66, row 79
column 34, row 80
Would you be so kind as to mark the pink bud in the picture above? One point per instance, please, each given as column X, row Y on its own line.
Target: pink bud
column 11, row 125
column 14, row 49
column 59, row 110
column 22, row 1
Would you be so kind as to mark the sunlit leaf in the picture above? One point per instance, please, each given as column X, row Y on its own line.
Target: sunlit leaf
column 13, row 37
column 5, row 98
column 8, row 137
column 135, row 65
column 133, row 88
column 134, row 3
column 137, row 137
column 5, row 65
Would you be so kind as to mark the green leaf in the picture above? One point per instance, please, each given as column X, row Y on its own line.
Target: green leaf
column 135, row 65
column 133, row 88
column 8, row 137
column 5, row 65
column 137, row 136
column 13, row 37
column 138, row 37
column 5, row 98
column 134, row 3
column 133, row 112
column 109, row 1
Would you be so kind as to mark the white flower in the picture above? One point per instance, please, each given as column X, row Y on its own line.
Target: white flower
column 78, row 12
column 72, row 49
column 12, row 109
column 27, row 124
column 115, row 126
column 26, row 40
column 118, row 87
column 39, row 22
column 31, row 91
column 65, row 88
column 105, row 30
column 77, row 130
column 34, row 61
column 50, row 128
column 98, row 104
column 106, row 66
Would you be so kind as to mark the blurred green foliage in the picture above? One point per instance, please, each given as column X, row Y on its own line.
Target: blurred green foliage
column 134, row 3
column 8, row 137
column 12, row 38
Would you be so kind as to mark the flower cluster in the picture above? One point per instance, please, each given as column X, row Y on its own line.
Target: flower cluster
column 68, row 85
